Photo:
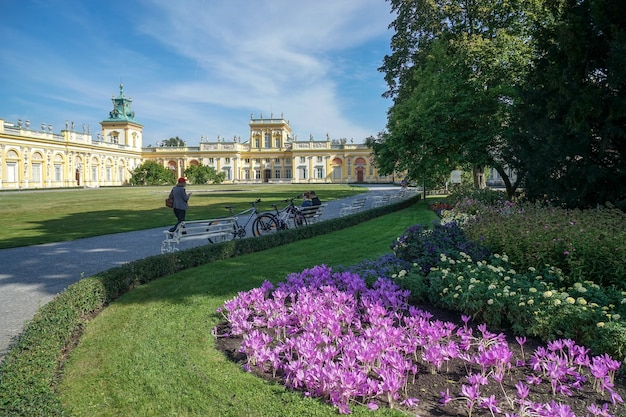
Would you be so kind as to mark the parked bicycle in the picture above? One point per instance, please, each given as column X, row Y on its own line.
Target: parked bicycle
column 289, row 216
column 262, row 223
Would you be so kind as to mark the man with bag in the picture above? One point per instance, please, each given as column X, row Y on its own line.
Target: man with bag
column 180, row 197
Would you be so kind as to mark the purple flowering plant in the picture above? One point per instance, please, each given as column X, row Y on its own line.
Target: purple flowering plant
column 330, row 335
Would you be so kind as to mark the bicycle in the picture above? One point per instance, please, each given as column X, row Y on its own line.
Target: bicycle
column 263, row 223
column 289, row 216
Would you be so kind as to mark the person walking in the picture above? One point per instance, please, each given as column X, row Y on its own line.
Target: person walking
column 181, row 198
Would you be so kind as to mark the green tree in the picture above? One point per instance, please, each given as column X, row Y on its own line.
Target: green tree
column 203, row 174
column 452, row 74
column 152, row 173
column 174, row 142
column 572, row 138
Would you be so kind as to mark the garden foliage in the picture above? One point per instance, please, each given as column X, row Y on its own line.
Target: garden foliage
column 333, row 337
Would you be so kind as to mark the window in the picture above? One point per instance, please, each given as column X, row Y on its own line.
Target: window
column 11, row 171
column 277, row 143
column 288, row 173
column 257, row 160
column 247, row 160
column 268, row 160
column 319, row 173
column 287, row 160
column 277, row 173
column 37, row 172
column 277, row 160
column 302, row 159
column 319, row 159
column 257, row 144
column 94, row 173
column 257, row 174
column 227, row 160
column 58, row 172
column 108, row 173
column 303, row 173
column 268, row 141
column 246, row 174
column 211, row 160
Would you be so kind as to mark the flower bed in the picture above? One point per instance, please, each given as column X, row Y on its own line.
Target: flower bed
column 331, row 336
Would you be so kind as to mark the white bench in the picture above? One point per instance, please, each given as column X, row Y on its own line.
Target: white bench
column 352, row 207
column 313, row 213
column 212, row 230
column 381, row 200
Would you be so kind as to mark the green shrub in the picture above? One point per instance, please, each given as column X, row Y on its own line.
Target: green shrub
column 586, row 245
column 425, row 246
column 531, row 302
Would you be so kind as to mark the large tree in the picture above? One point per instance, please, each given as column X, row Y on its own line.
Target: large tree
column 572, row 140
column 175, row 142
column 203, row 174
column 152, row 173
column 452, row 74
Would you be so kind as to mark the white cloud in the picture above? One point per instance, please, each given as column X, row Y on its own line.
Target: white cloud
column 200, row 67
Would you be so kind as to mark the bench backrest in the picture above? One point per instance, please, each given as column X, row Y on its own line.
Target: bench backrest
column 195, row 228
column 358, row 203
column 309, row 211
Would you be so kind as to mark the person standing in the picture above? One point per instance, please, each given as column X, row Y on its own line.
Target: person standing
column 181, row 198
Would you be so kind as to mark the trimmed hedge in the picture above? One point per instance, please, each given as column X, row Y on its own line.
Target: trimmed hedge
column 30, row 369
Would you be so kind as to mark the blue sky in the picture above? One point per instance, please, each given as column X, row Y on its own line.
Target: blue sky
column 198, row 67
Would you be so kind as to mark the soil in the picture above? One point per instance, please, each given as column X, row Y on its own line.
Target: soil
column 428, row 386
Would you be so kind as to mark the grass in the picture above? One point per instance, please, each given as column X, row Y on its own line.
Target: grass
column 36, row 217
column 152, row 353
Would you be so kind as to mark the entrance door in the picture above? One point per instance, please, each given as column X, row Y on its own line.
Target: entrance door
column 267, row 174
column 360, row 176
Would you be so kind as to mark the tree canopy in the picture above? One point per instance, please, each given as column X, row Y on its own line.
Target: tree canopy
column 175, row 142
column 572, row 120
column 152, row 173
column 452, row 73
column 203, row 174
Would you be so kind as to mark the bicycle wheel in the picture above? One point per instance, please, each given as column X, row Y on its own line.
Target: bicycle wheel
column 264, row 224
column 298, row 219
column 221, row 238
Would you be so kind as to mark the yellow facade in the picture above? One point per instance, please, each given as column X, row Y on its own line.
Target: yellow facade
column 38, row 158
column 273, row 155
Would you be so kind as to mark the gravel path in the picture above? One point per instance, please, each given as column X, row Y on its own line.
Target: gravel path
column 32, row 276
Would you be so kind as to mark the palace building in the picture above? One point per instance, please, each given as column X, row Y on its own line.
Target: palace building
column 32, row 157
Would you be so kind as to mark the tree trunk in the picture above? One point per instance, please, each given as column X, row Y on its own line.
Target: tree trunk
column 479, row 177
column 510, row 188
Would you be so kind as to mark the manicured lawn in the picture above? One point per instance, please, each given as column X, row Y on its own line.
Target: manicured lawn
column 152, row 352
column 36, row 217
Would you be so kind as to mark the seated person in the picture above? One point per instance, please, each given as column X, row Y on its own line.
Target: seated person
column 314, row 198
column 306, row 202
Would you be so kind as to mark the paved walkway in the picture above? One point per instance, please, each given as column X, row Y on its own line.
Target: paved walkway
column 32, row 276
